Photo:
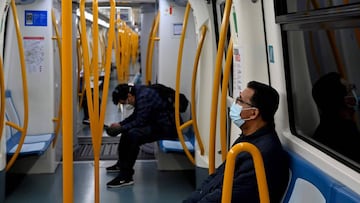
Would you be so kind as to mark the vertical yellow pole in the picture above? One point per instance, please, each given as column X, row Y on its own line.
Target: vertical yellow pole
column 66, row 90
column 216, row 84
column 23, row 128
column 223, row 103
column 96, row 136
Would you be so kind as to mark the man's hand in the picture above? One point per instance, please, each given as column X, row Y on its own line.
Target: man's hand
column 114, row 129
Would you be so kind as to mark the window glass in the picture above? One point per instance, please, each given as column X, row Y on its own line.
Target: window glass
column 323, row 73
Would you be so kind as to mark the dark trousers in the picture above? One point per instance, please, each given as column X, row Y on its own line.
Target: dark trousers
column 131, row 141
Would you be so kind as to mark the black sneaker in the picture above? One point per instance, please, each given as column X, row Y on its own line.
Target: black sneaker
column 113, row 169
column 119, row 182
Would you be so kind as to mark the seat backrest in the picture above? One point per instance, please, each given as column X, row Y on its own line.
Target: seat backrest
column 310, row 184
column 302, row 187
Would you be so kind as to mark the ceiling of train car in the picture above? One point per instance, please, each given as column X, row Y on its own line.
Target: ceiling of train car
column 129, row 3
column 135, row 7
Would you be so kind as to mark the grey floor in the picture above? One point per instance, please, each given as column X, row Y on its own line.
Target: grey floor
column 151, row 184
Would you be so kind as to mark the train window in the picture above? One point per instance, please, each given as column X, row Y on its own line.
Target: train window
column 322, row 53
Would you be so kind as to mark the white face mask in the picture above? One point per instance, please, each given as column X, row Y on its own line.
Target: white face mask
column 352, row 100
column 356, row 105
column 235, row 111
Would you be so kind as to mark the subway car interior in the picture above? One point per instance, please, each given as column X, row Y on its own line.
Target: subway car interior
column 61, row 61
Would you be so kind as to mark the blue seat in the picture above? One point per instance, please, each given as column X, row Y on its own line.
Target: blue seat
column 175, row 146
column 310, row 184
column 33, row 144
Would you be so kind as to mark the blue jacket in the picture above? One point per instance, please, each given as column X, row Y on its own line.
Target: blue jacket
column 245, row 185
column 149, row 110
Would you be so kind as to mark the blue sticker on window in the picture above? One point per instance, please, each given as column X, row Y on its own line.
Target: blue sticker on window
column 35, row 18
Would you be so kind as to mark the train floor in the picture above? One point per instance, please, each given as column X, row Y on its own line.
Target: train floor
column 150, row 185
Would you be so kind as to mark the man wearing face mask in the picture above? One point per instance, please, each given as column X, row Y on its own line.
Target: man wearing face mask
column 152, row 119
column 253, row 112
column 338, row 104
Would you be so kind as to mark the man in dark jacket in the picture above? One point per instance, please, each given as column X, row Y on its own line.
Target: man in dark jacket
column 253, row 112
column 152, row 119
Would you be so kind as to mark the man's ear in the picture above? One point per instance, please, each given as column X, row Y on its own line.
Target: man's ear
column 255, row 113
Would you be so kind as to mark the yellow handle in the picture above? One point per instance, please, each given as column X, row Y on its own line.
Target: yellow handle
column 150, row 49
column 259, row 170
column 59, row 117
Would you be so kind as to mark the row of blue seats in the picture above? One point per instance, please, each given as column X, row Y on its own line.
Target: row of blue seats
column 307, row 182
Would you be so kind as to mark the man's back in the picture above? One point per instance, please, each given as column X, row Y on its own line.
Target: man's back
column 149, row 109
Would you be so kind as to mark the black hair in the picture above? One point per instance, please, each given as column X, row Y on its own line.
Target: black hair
column 266, row 99
column 328, row 92
column 121, row 92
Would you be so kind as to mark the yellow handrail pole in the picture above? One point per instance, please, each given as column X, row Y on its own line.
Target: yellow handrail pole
column 59, row 117
column 223, row 103
column 66, row 83
column 123, row 53
column 125, row 48
column 24, row 86
column 147, row 75
column 151, row 48
column 177, row 88
column 111, row 39
column 215, row 93
column 100, row 121
column 259, row 170
column 126, row 53
column 95, row 59
column 193, row 88
column 103, row 48
column 94, row 126
column 135, row 45
column 89, row 97
column 2, row 98
column 86, row 60
column 79, row 63
column 117, row 51
column 120, row 54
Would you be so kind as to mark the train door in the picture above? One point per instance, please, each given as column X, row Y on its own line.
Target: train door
column 4, row 6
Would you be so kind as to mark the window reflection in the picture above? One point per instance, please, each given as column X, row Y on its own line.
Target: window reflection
column 332, row 114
